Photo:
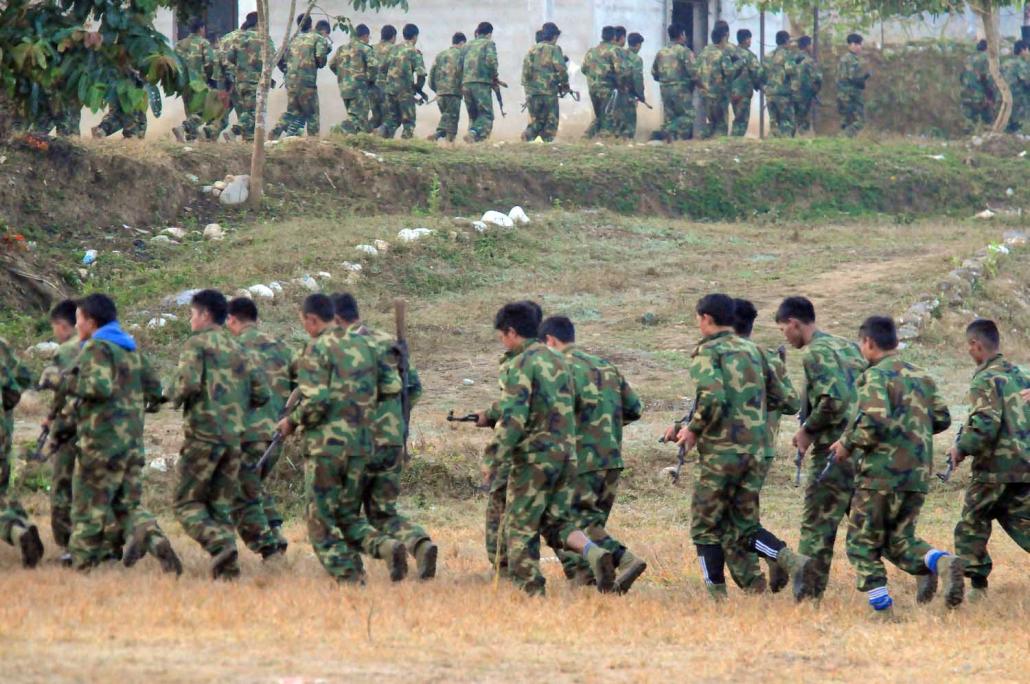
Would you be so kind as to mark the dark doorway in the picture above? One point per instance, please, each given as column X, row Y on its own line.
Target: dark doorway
column 683, row 14
column 221, row 16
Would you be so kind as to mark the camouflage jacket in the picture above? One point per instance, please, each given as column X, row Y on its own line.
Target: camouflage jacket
column 791, row 401
column 634, row 82
column 1016, row 71
column 544, row 71
column 338, row 379
column 307, row 54
column 53, row 378
column 852, row 74
column 997, row 432
column 747, row 75
column 604, row 403
column 480, row 62
column 388, row 420
column 446, row 75
column 537, row 421
column 603, row 67
column 240, row 55
column 217, row 386
column 976, row 80
column 715, row 71
column 274, row 358
column 493, row 413
column 899, row 412
column 15, row 378
column 674, row 65
column 355, row 67
column 780, row 71
column 809, row 79
column 736, row 389
column 198, row 57
column 832, row 368
column 403, row 69
column 382, row 52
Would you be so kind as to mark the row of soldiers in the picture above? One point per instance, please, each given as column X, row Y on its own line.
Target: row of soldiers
column 980, row 97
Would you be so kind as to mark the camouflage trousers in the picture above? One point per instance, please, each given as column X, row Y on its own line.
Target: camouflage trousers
column 194, row 125
column 205, row 492
column 336, row 529
column 851, row 107
column 883, row 525
column 677, row 112
column 625, row 117
column 253, row 509
column 63, row 470
column 539, row 504
column 826, row 505
column 741, row 561
column 591, row 508
column 379, row 493
column 132, row 125
column 497, row 497
column 716, row 115
column 244, row 100
column 357, row 104
column 725, row 501
column 479, row 102
column 65, row 123
column 399, row 112
column 12, row 514
column 377, row 105
column 741, row 115
column 99, row 478
column 803, row 113
column 301, row 112
column 782, row 123
column 450, row 113
column 977, row 113
column 1009, row 504
column 543, row 118
column 600, row 97
column 129, row 515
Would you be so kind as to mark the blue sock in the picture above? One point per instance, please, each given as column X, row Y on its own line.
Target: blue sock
column 931, row 558
column 880, row 599
column 586, row 549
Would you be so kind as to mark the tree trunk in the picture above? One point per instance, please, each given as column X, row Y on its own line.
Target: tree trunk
column 988, row 13
column 257, row 159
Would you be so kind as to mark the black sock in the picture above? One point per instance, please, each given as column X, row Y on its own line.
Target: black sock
column 765, row 544
column 713, row 563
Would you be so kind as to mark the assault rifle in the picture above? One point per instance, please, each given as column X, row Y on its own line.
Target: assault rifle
column 574, row 94
column 681, row 458
column 946, row 475
column 826, row 471
column 277, row 439
column 468, row 418
column 799, row 455
column 500, row 98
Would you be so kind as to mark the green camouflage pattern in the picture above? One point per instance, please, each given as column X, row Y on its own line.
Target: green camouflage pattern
column 899, row 412
column 605, row 72
column 378, row 93
column 986, row 502
column 445, row 78
column 274, row 358
column 997, row 433
column 805, row 89
column 788, row 405
column 480, row 65
column 979, row 95
column 632, row 92
column 715, row 72
column 307, row 53
column 606, row 403
column 15, row 378
column 62, row 447
column 592, row 505
column 203, row 71
column 496, row 477
column 852, row 74
column 747, row 77
column 1016, row 72
column 675, row 71
column 780, row 73
column 883, row 525
column 479, row 103
column 381, row 489
column 544, row 71
column 131, row 124
column 241, row 56
column 405, row 67
column 388, row 418
column 741, row 561
column 253, row 509
column 450, row 115
column 355, row 67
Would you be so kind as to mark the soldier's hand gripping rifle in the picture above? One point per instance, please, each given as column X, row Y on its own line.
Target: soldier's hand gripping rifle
column 500, row 98
column 681, row 458
column 946, row 475
column 826, row 471
column 277, row 439
column 60, row 387
column 574, row 94
column 468, row 418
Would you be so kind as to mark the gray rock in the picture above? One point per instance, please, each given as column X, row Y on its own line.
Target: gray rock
column 180, row 299
column 908, row 332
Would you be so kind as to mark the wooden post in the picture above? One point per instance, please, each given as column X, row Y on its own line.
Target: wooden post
column 815, row 56
column 761, row 57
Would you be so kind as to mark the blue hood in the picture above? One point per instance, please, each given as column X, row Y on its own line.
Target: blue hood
column 113, row 333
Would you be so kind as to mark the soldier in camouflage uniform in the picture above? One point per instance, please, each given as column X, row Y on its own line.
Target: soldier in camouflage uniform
column 806, row 85
column 674, row 70
column 997, row 437
column 604, row 71
column 743, row 563
column 15, row 528
column 216, row 385
column 406, row 77
column 445, row 80
column 979, row 95
column 387, row 42
column 355, row 68
column 780, row 73
column 340, row 382
column 747, row 77
column 604, row 403
column 632, row 90
column 307, row 53
column 899, row 412
column 735, row 390
column 852, row 75
column 832, row 366
column 1016, row 71
column 545, row 78
column 242, row 58
column 715, row 69
column 479, row 78
column 257, row 520
column 131, row 124
column 203, row 72
column 382, row 483
column 536, row 438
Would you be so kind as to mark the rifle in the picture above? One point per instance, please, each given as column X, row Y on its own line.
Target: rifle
column 643, row 102
column 946, row 475
column 277, row 439
column 826, row 470
column 500, row 99
column 613, row 100
column 400, row 309
column 799, row 455
column 468, row 418
column 60, row 389
column 681, row 457
column 572, row 93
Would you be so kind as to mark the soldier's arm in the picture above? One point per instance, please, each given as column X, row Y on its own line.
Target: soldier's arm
column 260, row 388
column 322, row 48
column 10, row 385
column 632, row 407
column 189, row 376
column 655, row 72
column 433, row 75
column 706, row 372
column 781, row 396
column 491, row 62
column 870, row 425
column 334, row 63
column 826, row 392
column 388, row 377
column 414, row 386
column 152, row 390
column 527, row 69
column 513, row 411
column 941, row 416
column 313, row 375
column 638, row 81
column 561, row 71
column 96, row 375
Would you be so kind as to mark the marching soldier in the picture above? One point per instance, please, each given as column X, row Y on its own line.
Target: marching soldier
column 545, row 79
column 445, row 80
column 780, row 73
column 405, row 79
column 356, row 68
column 852, row 76
column 306, row 54
column 806, row 85
column 746, row 79
column 716, row 71
column 387, row 42
column 603, row 69
column 479, row 78
column 201, row 67
column 675, row 71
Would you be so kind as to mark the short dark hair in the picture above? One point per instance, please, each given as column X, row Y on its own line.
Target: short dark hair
column 64, row 311
column 410, row 31
column 244, row 309
column 539, row 36
column 986, row 331
column 620, row 32
column 560, row 328
column 608, row 34
column 675, row 31
column 485, row 28
column 362, row 30
column 320, row 306
column 1019, row 46
column 195, row 24
column 323, row 25
column 213, row 302
column 345, row 306
column 881, row 330
column 520, row 317
column 635, row 39
column 799, row 308
column 742, row 35
column 549, row 32
column 458, row 38
column 719, row 33
column 854, row 39
column 804, row 41
column 721, row 23
column 982, row 46
column 744, row 315
column 782, row 37
column 552, row 27
column 388, row 32
column 304, row 22
column 98, row 307
column 538, row 310
column 250, row 21
column 719, row 306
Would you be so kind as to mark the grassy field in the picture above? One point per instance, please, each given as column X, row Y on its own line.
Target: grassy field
column 606, row 271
